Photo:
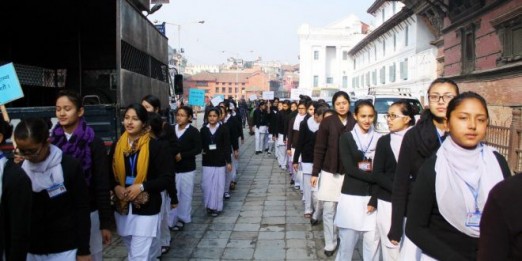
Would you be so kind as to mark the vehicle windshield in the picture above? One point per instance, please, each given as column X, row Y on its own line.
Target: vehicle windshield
column 382, row 104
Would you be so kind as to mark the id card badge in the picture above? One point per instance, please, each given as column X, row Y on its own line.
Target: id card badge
column 129, row 180
column 56, row 190
column 473, row 219
column 365, row 165
column 212, row 147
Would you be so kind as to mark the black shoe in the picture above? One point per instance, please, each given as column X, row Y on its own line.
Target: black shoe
column 258, row 152
column 292, row 182
column 314, row 222
column 329, row 253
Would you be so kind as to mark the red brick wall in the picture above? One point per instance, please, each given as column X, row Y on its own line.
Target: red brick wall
column 505, row 91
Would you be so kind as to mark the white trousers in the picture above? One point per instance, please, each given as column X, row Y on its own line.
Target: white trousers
column 307, row 194
column 231, row 176
column 390, row 252
column 62, row 256
column 297, row 176
column 329, row 229
column 410, row 251
column 139, row 248
column 185, row 188
column 163, row 233
column 281, row 151
column 349, row 239
column 260, row 133
column 96, row 241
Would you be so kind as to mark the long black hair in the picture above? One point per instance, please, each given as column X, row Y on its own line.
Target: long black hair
column 141, row 112
column 153, row 101
column 6, row 130
column 406, row 109
column 32, row 128
column 455, row 102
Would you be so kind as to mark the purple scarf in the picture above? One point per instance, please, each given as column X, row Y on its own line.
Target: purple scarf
column 78, row 146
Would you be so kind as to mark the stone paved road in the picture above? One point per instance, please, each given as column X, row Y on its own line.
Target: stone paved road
column 262, row 221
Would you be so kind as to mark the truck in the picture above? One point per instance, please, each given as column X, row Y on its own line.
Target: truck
column 106, row 50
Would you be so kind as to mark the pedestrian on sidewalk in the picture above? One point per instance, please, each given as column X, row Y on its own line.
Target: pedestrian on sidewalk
column 422, row 141
column 400, row 118
column 186, row 146
column 282, row 128
column 328, row 166
column 72, row 135
column 261, row 127
column 232, row 125
column 304, row 150
column 356, row 215
column 452, row 186
column 141, row 170
column 163, row 133
column 215, row 140
column 60, row 215
column 293, row 137
column 15, row 204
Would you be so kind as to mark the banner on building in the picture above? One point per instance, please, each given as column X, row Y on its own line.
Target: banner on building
column 294, row 93
column 10, row 88
column 196, row 97
column 268, row 95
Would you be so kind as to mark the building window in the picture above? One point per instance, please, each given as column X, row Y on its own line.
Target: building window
column 229, row 89
column 316, row 55
column 368, row 79
column 394, row 7
column 383, row 75
column 236, row 90
column 345, row 81
column 404, row 69
column 510, row 35
column 374, row 77
column 468, row 48
column 392, row 73
column 383, row 15
column 394, row 41
column 383, row 47
column 217, row 89
column 375, row 53
column 353, row 82
column 329, row 80
column 222, row 89
column 406, row 36
column 361, row 79
column 345, row 55
column 355, row 63
column 316, row 80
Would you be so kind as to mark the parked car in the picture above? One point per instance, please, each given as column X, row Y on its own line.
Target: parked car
column 383, row 101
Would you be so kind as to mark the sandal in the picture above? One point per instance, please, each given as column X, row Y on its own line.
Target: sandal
column 307, row 215
column 178, row 227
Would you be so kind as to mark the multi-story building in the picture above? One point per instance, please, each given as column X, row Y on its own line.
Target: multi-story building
column 480, row 47
column 397, row 55
column 195, row 69
column 324, row 60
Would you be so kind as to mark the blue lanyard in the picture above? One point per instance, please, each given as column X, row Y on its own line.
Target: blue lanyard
column 1, row 156
column 132, row 162
column 438, row 136
column 369, row 143
column 475, row 195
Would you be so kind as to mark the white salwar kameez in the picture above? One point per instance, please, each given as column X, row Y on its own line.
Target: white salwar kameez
column 390, row 252
column 137, row 232
column 329, row 192
column 62, row 256
column 96, row 241
column 306, row 169
column 213, row 187
column 185, row 188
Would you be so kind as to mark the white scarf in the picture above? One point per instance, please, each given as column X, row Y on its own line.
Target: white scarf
column 313, row 126
column 396, row 141
column 3, row 160
column 455, row 167
column 226, row 118
column 366, row 142
column 47, row 173
column 179, row 131
column 298, row 119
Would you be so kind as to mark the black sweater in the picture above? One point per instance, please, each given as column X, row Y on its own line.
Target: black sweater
column 305, row 144
column 188, row 146
column 233, row 132
column 221, row 155
column 418, row 144
column 356, row 181
column 260, row 118
column 239, row 126
column 384, row 166
column 15, row 213
column 428, row 229
column 501, row 223
column 282, row 122
column 159, row 176
column 62, row 223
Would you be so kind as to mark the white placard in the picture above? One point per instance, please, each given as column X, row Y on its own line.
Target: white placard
column 252, row 97
column 216, row 100
column 268, row 95
column 294, row 93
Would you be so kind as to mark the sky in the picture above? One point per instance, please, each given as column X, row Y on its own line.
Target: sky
column 249, row 28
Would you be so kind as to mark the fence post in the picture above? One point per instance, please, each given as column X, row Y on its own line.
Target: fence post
column 514, row 140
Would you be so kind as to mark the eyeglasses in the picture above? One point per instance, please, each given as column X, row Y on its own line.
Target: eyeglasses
column 28, row 153
column 436, row 98
column 393, row 116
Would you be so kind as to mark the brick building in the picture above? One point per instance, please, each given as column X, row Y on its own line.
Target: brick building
column 480, row 47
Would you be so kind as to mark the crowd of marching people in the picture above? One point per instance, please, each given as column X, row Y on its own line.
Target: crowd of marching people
column 430, row 189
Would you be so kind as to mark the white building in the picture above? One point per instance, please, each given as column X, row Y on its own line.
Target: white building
column 195, row 69
column 397, row 53
column 325, row 65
